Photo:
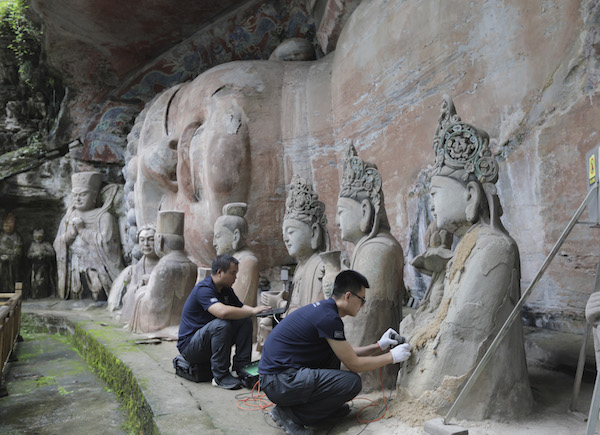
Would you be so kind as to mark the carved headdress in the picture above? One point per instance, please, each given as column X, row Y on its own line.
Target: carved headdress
column 303, row 204
column 462, row 150
column 233, row 217
column 361, row 180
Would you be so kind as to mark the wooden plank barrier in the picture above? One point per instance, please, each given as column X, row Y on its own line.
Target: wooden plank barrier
column 10, row 323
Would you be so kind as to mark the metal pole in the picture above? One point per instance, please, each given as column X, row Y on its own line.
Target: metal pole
column 517, row 310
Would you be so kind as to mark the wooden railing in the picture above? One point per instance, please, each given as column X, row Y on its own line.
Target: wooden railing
column 10, row 322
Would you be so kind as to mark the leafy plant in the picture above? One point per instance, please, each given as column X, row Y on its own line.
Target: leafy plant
column 24, row 34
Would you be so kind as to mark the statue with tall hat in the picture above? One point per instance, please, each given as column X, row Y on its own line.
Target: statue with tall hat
column 87, row 245
column 362, row 219
column 481, row 287
column 158, row 304
column 230, row 232
column 124, row 288
column 11, row 250
column 306, row 238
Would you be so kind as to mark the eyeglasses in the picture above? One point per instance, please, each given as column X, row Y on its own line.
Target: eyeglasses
column 362, row 300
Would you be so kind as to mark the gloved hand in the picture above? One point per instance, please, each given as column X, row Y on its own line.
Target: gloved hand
column 386, row 339
column 401, row 353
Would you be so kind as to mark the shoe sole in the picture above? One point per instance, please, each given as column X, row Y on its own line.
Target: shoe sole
column 283, row 425
column 225, row 387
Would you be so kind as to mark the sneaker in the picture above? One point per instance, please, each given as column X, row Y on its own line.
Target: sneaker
column 228, row 382
column 283, row 419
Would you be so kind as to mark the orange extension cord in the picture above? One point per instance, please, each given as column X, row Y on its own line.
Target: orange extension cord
column 259, row 402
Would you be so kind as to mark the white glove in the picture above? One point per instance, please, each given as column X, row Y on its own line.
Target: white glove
column 386, row 341
column 401, row 353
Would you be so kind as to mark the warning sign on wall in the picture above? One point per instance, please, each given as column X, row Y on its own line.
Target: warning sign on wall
column 592, row 168
column 593, row 158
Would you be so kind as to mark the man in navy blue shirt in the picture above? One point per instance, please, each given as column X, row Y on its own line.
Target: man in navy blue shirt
column 299, row 367
column 213, row 319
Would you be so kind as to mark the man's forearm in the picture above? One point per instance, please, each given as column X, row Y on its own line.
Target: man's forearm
column 371, row 349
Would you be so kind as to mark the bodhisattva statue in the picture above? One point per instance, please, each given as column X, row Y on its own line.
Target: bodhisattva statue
column 11, row 249
column 42, row 257
column 128, row 282
column 159, row 303
column 305, row 236
column 363, row 222
column 480, row 289
column 230, row 232
column 87, row 245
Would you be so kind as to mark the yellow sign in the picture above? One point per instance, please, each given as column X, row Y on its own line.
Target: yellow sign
column 592, row 169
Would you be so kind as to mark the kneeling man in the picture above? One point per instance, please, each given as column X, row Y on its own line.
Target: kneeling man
column 213, row 319
column 299, row 367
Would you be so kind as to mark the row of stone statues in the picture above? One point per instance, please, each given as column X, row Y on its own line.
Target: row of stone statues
column 41, row 257
column 472, row 290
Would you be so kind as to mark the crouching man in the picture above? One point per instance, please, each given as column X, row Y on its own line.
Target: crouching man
column 299, row 367
column 213, row 319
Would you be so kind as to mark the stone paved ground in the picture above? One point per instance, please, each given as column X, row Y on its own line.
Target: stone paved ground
column 52, row 391
column 179, row 406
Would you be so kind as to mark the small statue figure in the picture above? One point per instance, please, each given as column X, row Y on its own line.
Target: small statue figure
column 305, row 236
column 363, row 221
column 88, row 250
column 230, row 232
column 159, row 303
column 11, row 249
column 42, row 257
column 125, row 287
column 480, row 288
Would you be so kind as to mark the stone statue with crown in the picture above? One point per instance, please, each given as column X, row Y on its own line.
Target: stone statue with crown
column 158, row 304
column 305, row 236
column 363, row 221
column 87, row 245
column 480, row 288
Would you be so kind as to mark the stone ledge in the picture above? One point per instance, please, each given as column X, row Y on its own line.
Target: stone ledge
column 153, row 404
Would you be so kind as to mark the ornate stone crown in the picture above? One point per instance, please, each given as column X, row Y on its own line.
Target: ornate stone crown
column 461, row 147
column 360, row 179
column 303, row 203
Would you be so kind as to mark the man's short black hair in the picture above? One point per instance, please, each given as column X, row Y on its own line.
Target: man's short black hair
column 349, row 281
column 222, row 262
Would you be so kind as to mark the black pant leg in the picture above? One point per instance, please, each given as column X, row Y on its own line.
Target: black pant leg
column 241, row 331
column 212, row 343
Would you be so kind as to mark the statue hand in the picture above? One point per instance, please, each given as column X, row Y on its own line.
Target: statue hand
column 592, row 309
column 78, row 223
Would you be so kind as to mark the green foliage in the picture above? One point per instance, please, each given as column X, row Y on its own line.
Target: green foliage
column 24, row 34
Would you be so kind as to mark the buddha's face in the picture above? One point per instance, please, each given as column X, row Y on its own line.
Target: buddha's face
column 296, row 236
column 8, row 226
column 222, row 239
column 146, row 242
column 38, row 235
column 347, row 218
column 84, row 199
column 448, row 203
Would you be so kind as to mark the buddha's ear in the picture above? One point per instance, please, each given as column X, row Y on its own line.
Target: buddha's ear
column 237, row 238
column 473, row 200
column 315, row 236
column 366, row 218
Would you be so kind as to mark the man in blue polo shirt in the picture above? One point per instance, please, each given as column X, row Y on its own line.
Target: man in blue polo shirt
column 213, row 319
column 299, row 367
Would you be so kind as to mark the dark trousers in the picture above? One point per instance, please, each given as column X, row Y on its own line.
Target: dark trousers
column 212, row 343
column 312, row 395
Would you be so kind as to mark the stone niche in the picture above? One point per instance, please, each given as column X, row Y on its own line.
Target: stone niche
column 528, row 74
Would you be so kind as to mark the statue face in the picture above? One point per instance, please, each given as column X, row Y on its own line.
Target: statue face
column 38, row 235
column 296, row 236
column 8, row 226
column 448, row 203
column 146, row 242
column 347, row 218
column 223, row 239
column 84, row 200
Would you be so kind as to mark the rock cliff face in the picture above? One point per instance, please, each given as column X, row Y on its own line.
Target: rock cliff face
column 527, row 73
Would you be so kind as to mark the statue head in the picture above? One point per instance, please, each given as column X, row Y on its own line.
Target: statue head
column 85, row 188
column 231, row 229
column 169, row 232
column 463, row 187
column 361, row 209
column 304, row 222
column 38, row 235
column 8, row 224
column 145, row 239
